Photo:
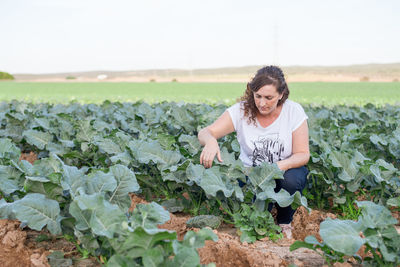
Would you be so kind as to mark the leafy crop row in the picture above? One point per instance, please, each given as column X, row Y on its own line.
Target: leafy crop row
column 91, row 156
column 342, row 238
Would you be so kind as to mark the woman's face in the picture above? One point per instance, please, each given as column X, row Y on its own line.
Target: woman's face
column 266, row 99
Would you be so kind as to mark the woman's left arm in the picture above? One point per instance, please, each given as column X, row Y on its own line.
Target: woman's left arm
column 300, row 149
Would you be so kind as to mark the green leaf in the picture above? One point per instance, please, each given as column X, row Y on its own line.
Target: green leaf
column 38, row 211
column 173, row 205
column 386, row 241
column 50, row 190
column 191, row 143
column 102, row 217
column 38, row 139
column 81, row 216
column 246, row 236
column 148, row 216
column 300, row 200
column 197, row 239
column 394, row 201
column 229, row 159
column 6, row 210
column 212, row 183
column 153, row 257
column 85, row 132
column 56, row 259
column 124, row 157
column 264, row 175
column 73, row 180
column 109, row 147
column 87, row 241
column 43, row 122
column 341, row 235
column 145, row 152
column 283, row 198
column 121, row 261
column 166, row 141
column 201, row 221
column 177, row 177
column 194, row 173
column 383, row 171
column 239, row 193
column 312, row 240
column 377, row 140
column 126, row 183
column 9, row 180
column 374, row 215
column 300, row 244
column 184, row 256
column 349, row 167
column 98, row 182
column 37, row 179
column 139, row 241
column 8, row 150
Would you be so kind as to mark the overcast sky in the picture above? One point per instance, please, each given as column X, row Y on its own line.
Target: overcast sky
column 49, row 36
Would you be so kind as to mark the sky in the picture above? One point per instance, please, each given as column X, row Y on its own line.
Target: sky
column 51, row 36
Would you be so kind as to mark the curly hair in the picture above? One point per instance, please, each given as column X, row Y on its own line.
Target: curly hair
column 269, row 75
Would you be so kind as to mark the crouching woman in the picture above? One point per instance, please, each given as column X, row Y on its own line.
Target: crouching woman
column 270, row 128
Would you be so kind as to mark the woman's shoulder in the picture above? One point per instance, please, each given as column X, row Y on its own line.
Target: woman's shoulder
column 237, row 107
column 238, row 104
column 292, row 106
column 236, row 111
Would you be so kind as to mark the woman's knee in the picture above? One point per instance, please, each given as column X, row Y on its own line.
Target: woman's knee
column 294, row 179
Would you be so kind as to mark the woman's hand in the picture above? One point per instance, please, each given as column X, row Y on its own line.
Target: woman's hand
column 208, row 154
column 208, row 138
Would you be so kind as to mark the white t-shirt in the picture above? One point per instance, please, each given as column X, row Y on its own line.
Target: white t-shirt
column 270, row 144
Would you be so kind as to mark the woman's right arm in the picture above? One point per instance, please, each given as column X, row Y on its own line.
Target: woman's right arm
column 209, row 135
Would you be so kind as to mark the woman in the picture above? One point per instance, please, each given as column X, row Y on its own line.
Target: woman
column 270, row 128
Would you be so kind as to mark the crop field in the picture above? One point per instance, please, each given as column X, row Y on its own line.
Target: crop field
column 121, row 185
column 317, row 93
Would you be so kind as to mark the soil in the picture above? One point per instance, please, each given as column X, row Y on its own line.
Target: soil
column 21, row 247
column 31, row 157
column 229, row 251
column 135, row 199
column 13, row 251
column 305, row 223
column 26, row 247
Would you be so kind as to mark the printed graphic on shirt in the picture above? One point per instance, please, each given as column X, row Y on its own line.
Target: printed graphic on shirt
column 267, row 148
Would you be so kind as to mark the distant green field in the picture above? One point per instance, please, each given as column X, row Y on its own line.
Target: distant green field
column 317, row 93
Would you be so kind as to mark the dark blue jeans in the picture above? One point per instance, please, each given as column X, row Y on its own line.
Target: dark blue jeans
column 295, row 180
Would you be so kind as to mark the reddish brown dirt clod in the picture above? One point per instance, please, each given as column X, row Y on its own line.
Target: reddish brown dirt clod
column 177, row 223
column 39, row 260
column 305, row 223
column 135, row 199
column 13, row 251
column 31, row 157
column 14, row 239
column 19, row 248
column 186, row 195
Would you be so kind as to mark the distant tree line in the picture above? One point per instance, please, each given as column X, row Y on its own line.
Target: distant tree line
column 6, row 76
